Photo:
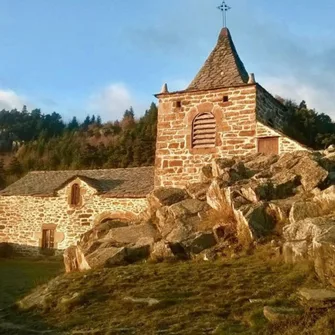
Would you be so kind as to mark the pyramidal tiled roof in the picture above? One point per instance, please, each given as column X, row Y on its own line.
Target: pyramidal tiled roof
column 223, row 67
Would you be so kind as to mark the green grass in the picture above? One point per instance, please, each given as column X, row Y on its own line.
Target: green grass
column 19, row 276
column 195, row 298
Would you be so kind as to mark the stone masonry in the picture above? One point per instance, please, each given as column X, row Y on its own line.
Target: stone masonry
column 244, row 113
column 23, row 217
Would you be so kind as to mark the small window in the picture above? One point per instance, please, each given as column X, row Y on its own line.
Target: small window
column 204, row 131
column 225, row 98
column 178, row 104
column 48, row 238
column 75, row 195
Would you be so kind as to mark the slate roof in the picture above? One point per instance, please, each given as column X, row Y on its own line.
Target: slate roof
column 223, row 67
column 120, row 183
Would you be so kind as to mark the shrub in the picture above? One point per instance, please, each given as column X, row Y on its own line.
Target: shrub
column 224, row 221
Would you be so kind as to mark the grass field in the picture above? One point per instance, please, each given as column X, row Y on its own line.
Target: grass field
column 194, row 298
column 18, row 277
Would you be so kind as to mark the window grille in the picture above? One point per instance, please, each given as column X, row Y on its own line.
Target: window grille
column 204, row 131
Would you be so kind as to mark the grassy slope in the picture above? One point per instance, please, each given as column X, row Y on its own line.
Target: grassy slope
column 18, row 277
column 195, row 297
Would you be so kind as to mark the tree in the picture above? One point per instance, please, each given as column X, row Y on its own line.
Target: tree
column 73, row 124
column 128, row 120
column 86, row 122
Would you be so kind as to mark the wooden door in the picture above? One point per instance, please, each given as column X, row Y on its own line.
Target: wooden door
column 48, row 239
column 268, row 145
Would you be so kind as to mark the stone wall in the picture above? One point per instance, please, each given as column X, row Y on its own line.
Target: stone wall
column 285, row 144
column 23, row 217
column 177, row 163
column 269, row 110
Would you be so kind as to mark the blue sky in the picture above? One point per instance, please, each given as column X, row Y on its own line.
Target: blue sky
column 101, row 56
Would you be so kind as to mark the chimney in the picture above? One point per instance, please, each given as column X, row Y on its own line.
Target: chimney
column 252, row 78
column 164, row 89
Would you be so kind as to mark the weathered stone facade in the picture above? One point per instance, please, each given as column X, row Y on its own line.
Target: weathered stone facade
column 286, row 144
column 23, row 218
column 237, row 132
column 177, row 163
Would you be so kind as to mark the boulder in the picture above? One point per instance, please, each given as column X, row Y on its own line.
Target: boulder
column 304, row 209
column 183, row 229
column 303, row 164
column 137, row 252
column 148, row 301
column 132, row 234
column 322, row 204
column 281, row 209
column 198, row 190
column 74, row 260
column 165, row 197
column 200, row 242
column 70, row 259
column 117, row 246
column 106, row 256
column 312, row 239
column 331, row 149
column 321, row 298
column 166, row 250
column 311, row 173
column 220, row 165
column 177, row 222
column 206, row 174
column 254, row 222
column 260, row 162
column 279, row 314
column 217, row 196
column 284, row 184
column 160, row 251
column 188, row 208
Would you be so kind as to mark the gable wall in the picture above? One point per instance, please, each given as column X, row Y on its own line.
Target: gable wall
column 269, row 110
column 285, row 143
column 22, row 217
column 177, row 164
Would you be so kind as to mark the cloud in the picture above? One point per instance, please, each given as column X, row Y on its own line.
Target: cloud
column 10, row 100
column 298, row 67
column 111, row 101
column 317, row 97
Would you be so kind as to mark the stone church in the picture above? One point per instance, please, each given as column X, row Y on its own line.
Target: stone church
column 223, row 112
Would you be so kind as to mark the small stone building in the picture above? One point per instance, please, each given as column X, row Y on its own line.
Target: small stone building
column 50, row 210
column 223, row 112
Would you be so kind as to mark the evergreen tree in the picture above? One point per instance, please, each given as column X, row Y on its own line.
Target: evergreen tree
column 73, row 125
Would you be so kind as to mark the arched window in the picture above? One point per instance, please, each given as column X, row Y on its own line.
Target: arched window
column 204, row 131
column 75, row 195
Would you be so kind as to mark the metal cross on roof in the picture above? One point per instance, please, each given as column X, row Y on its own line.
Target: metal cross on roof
column 224, row 8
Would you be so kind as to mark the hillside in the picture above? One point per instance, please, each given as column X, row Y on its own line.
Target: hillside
column 222, row 297
column 35, row 141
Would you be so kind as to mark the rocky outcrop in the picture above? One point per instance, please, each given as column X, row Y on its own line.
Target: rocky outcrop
column 310, row 236
column 247, row 198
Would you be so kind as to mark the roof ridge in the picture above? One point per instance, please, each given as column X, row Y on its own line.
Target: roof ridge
column 223, row 67
column 114, row 169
